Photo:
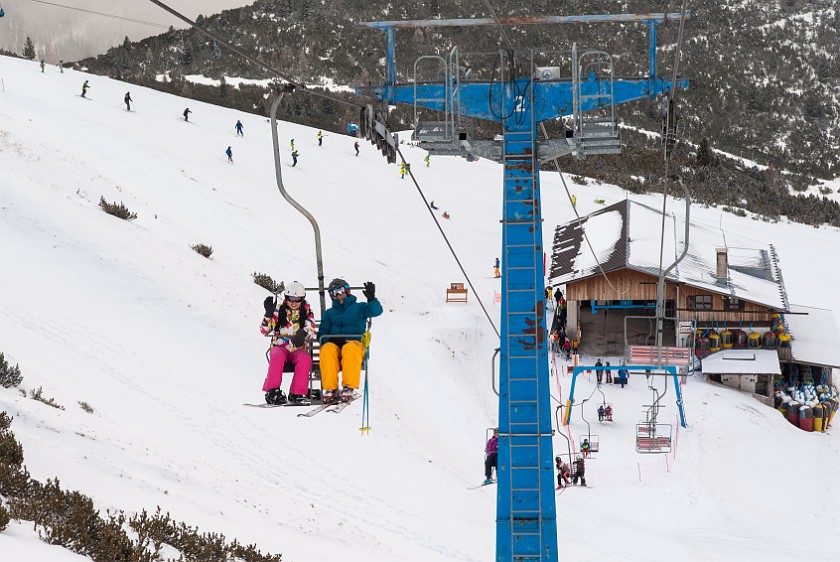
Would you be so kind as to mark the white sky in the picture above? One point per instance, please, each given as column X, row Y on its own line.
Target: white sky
column 48, row 23
column 164, row 345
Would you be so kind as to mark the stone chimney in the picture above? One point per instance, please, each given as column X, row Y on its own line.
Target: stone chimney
column 722, row 264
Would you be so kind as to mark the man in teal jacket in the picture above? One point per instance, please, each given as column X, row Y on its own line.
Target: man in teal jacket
column 340, row 334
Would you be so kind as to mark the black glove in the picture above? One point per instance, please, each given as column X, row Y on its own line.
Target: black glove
column 270, row 304
column 370, row 291
column 299, row 339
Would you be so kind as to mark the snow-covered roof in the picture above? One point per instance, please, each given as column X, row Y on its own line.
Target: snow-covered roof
column 742, row 362
column 814, row 337
column 627, row 235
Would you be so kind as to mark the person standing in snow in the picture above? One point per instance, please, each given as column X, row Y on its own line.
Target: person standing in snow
column 496, row 271
column 292, row 144
column 340, row 333
column 491, row 457
column 599, row 374
column 427, row 160
column 85, row 87
column 42, row 66
column 229, row 153
column 295, row 155
column 563, row 472
column 127, row 99
column 580, row 472
column 238, row 128
column 290, row 325
column 187, row 114
column 61, row 65
column 320, row 138
column 356, row 146
column 403, row 170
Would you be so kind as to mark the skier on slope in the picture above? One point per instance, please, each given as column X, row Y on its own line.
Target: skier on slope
column 340, row 334
column 238, row 128
column 353, row 129
column 290, row 325
column 229, row 153
column 187, row 114
column 85, row 87
column 127, row 99
column 491, row 457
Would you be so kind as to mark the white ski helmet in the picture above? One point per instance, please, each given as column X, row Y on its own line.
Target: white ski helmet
column 295, row 289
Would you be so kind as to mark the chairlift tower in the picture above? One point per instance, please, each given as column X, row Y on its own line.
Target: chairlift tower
column 526, row 528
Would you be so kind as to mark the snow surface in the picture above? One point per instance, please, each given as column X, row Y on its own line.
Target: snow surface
column 164, row 345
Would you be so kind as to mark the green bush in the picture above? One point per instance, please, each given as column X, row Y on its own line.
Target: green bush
column 38, row 395
column 203, row 249
column 9, row 376
column 120, row 211
column 70, row 519
column 266, row 282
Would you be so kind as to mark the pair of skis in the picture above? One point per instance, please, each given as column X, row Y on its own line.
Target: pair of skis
column 335, row 407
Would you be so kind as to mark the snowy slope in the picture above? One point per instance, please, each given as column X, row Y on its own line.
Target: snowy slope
column 164, row 345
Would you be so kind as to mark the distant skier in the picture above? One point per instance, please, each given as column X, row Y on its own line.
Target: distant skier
column 238, row 128
column 127, row 99
column 187, row 114
column 356, row 146
column 42, row 66
column 320, row 138
column 496, row 271
column 601, row 412
column 403, row 170
column 295, row 155
column 491, row 457
column 427, row 160
column 353, row 129
column 433, row 206
column 61, row 65
column 229, row 153
column 85, row 87
column 292, row 144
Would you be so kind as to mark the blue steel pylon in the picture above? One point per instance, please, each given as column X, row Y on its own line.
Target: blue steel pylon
column 526, row 526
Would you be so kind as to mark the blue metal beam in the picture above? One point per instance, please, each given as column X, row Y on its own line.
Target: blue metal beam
column 552, row 99
column 535, row 20
column 672, row 370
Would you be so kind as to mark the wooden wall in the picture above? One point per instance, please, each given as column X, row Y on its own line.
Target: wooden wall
column 627, row 284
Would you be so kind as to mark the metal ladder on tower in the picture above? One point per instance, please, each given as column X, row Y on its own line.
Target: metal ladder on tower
column 595, row 122
column 440, row 137
column 520, row 283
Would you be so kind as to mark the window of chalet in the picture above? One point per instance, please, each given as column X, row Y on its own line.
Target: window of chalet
column 733, row 303
column 700, row 302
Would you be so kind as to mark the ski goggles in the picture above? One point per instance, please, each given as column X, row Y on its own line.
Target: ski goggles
column 294, row 299
column 338, row 292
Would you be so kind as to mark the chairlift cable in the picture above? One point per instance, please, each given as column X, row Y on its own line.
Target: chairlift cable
column 132, row 20
column 248, row 57
column 579, row 223
column 449, row 244
column 341, row 101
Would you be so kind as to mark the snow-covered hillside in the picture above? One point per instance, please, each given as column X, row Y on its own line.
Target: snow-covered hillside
column 164, row 345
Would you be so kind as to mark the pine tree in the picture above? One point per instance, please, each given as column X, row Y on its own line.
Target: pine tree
column 29, row 49
column 705, row 157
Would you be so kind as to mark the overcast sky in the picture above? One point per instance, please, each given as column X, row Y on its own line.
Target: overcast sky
column 68, row 33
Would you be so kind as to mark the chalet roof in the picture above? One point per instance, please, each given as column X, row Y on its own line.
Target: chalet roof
column 742, row 362
column 814, row 336
column 627, row 235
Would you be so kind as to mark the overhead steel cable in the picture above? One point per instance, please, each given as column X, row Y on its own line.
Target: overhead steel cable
column 116, row 17
column 248, row 57
column 339, row 100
